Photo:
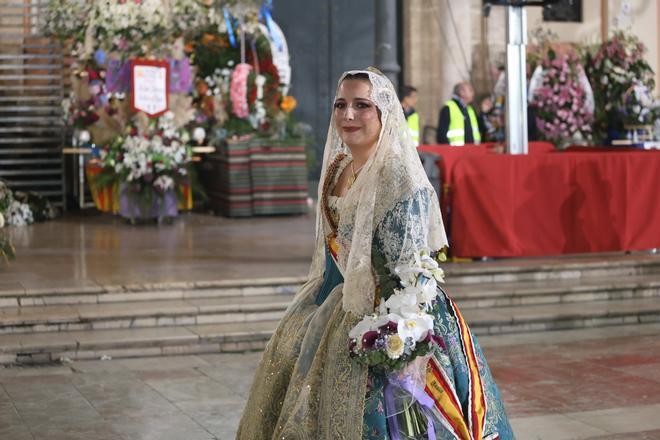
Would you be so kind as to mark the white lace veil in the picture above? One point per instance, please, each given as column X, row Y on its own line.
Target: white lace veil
column 392, row 174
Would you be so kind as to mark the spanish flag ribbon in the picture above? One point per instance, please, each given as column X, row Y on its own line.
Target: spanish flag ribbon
column 446, row 401
column 468, row 426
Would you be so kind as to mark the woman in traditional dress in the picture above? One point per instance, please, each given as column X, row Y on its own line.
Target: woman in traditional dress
column 376, row 211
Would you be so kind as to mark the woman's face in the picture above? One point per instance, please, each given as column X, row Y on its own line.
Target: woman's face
column 356, row 116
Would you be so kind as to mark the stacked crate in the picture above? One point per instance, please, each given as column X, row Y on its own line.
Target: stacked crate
column 279, row 178
column 225, row 176
column 257, row 177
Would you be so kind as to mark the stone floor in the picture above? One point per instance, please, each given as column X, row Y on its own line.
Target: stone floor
column 95, row 249
column 587, row 384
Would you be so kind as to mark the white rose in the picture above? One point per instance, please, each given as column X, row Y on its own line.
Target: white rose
column 394, row 346
column 415, row 326
column 2, row 220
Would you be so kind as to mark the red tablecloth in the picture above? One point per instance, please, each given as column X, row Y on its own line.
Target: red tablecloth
column 448, row 155
column 548, row 204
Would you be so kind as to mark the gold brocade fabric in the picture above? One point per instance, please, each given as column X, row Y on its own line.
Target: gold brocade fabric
column 306, row 386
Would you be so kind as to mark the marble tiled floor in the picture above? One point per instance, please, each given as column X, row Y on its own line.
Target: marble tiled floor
column 97, row 250
column 581, row 384
column 93, row 249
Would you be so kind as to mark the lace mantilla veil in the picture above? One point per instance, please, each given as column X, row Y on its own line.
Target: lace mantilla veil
column 392, row 173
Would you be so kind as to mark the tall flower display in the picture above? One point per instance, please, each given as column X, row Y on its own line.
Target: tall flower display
column 223, row 83
column 562, row 99
column 237, row 95
column 622, row 80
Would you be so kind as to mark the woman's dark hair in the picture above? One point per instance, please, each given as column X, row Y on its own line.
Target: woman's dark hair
column 407, row 90
column 359, row 76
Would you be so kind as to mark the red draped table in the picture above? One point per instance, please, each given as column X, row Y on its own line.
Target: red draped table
column 549, row 204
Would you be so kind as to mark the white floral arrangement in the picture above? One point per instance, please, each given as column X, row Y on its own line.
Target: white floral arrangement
column 19, row 214
column 403, row 326
column 125, row 25
column 66, row 18
column 156, row 158
column 218, row 83
column 12, row 211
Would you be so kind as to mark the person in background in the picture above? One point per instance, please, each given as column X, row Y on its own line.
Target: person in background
column 485, row 119
column 458, row 124
column 408, row 102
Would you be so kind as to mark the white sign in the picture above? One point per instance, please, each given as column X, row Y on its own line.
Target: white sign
column 150, row 85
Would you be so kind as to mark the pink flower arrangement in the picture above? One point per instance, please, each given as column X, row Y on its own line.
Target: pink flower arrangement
column 238, row 90
column 562, row 101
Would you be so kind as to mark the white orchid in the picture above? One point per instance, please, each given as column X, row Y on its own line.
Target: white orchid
column 415, row 327
column 423, row 265
column 372, row 322
column 404, row 301
column 427, row 290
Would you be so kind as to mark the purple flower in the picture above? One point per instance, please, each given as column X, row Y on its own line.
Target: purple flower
column 369, row 338
column 390, row 327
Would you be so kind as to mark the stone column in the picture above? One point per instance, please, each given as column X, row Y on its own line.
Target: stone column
column 437, row 52
column 386, row 40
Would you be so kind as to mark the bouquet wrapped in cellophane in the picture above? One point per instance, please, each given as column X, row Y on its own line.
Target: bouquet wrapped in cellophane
column 398, row 340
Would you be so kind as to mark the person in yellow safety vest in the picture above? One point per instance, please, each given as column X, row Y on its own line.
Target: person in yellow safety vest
column 408, row 102
column 458, row 124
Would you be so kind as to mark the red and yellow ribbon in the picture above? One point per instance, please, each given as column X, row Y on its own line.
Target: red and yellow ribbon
column 476, row 398
column 468, row 426
column 446, row 400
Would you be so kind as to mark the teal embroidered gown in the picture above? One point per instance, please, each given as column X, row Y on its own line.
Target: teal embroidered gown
column 450, row 358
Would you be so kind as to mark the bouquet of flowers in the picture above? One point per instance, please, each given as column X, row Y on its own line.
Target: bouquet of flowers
column 402, row 329
column 562, row 100
column 639, row 107
column 23, row 208
column 621, row 79
column 154, row 160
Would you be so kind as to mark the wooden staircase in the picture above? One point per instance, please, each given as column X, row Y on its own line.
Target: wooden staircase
column 31, row 93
